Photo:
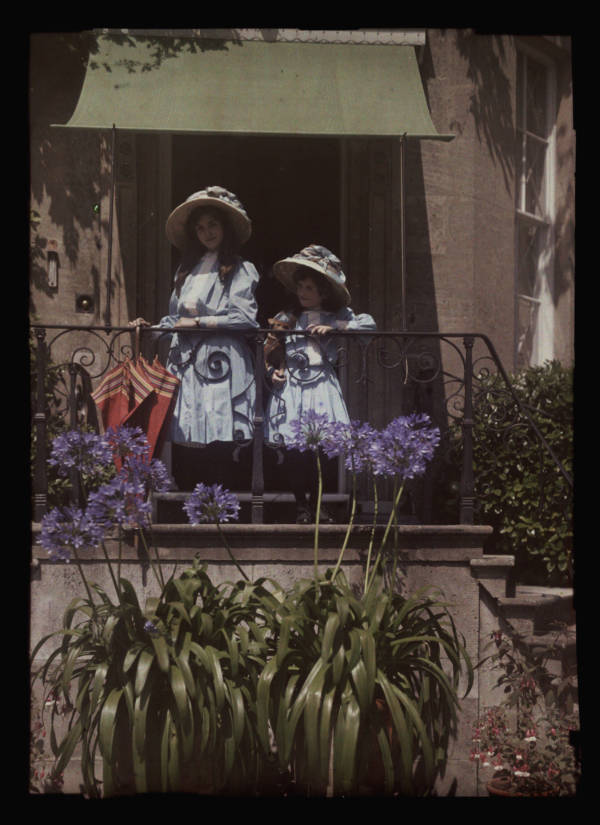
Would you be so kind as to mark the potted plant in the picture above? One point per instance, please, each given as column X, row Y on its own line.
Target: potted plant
column 523, row 744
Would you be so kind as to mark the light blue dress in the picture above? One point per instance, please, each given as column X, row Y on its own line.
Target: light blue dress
column 216, row 398
column 312, row 382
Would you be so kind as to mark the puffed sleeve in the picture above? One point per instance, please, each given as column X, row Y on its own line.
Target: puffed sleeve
column 346, row 319
column 241, row 307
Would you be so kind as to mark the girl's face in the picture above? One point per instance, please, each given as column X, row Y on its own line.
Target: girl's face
column 209, row 231
column 308, row 293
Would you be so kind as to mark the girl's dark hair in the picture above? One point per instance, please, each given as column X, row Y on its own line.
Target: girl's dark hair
column 194, row 249
column 330, row 301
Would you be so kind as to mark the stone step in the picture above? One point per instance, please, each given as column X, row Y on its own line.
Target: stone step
column 278, row 507
column 538, row 609
column 545, row 620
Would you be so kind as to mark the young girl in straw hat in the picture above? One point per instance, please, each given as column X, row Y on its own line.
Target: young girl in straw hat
column 309, row 381
column 214, row 287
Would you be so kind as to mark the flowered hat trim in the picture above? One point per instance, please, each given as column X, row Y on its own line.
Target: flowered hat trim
column 215, row 196
column 320, row 259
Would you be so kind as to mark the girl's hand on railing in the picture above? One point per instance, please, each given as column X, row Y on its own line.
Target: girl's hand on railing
column 140, row 322
column 278, row 377
column 185, row 323
column 318, row 329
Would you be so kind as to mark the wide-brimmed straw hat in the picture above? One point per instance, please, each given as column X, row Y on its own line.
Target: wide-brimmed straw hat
column 214, row 196
column 323, row 261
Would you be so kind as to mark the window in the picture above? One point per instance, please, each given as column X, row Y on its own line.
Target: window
column 534, row 210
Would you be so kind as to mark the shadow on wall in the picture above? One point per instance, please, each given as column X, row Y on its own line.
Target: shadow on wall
column 59, row 171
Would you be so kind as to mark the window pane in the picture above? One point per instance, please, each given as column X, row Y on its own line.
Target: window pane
column 520, row 92
column 530, row 238
column 534, row 174
column 526, row 327
column 536, row 99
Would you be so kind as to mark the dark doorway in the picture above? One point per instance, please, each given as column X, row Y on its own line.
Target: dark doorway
column 289, row 186
column 291, row 189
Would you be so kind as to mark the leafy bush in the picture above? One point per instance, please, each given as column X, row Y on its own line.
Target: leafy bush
column 519, row 489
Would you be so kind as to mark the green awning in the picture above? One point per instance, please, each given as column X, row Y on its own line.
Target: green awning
column 254, row 88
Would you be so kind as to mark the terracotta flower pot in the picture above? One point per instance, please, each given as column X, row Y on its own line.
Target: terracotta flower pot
column 505, row 787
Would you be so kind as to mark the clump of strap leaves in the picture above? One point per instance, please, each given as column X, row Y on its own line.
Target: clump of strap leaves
column 243, row 687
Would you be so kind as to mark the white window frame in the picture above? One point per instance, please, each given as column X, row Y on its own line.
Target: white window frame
column 541, row 303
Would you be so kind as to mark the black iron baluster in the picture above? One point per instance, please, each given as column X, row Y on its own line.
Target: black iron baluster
column 40, row 480
column 467, row 498
column 258, row 479
column 74, row 493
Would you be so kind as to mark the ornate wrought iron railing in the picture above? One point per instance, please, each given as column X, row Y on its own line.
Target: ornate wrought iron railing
column 384, row 373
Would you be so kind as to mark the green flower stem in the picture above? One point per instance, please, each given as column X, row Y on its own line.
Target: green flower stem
column 317, row 516
column 82, row 574
column 228, row 548
column 373, row 528
column 110, row 567
column 158, row 576
column 395, row 564
column 385, row 536
column 348, row 530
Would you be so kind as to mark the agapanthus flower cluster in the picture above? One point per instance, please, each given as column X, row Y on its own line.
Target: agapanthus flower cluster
column 127, row 441
column 211, row 504
column 87, row 453
column 309, row 431
column 405, row 446
column 121, row 501
column 402, row 449
column 68, row 529
column 354, row 441
column 153, row 474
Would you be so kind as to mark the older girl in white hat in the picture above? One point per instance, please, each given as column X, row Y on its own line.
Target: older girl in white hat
column 214, row 287
column 310, row 381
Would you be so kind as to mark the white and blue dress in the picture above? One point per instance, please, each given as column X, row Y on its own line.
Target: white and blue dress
column 216, row 397
column 312, row 382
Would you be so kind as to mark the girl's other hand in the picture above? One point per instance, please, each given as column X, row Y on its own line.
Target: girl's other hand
column 185, row 322
column 140, row 322
column 318, row 329
column 278, row 378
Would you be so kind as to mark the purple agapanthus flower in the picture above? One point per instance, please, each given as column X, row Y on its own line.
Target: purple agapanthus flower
column 151, row 628
column 309, row 431
column 353, row 440
column 152, row 474
column 77, row 450
column 121, row 501
column 211, row 504
column 69, row 528
column 127, row 441
column 405, row 446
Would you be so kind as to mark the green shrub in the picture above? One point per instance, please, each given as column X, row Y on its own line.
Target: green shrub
column 519, row 488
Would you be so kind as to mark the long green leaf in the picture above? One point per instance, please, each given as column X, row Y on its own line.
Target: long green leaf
column 312, row 709
column 145, row 662
column 331, row 627
column 107, row 728
column 184, row 665
column 162, row 652
column 215, row 667
column 185, row 726
column 299, row 703
column 402, row 732
column 325, row 735
column 346, row 739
